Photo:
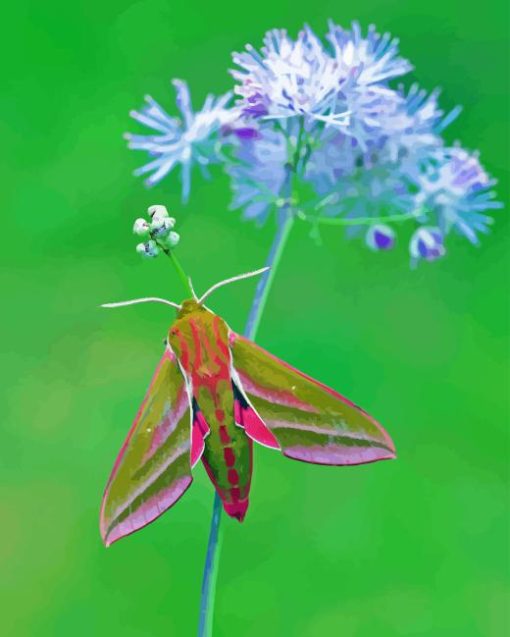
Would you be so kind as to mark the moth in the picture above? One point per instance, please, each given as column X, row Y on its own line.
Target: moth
column 213, row 394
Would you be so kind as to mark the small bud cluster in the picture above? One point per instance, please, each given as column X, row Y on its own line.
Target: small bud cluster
column 158, row 233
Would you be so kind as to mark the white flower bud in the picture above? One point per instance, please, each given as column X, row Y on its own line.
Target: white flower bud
column 141, row 228
column 161, row 226
column 157, row 210
column 149, row 249
column 172, row 239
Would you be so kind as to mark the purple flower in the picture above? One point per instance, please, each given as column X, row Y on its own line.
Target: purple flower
column 320, row 130
column 180, row 141
column 289, row 78
column 427, row 243
column 415, row 127
column 452, row 184
column 380, row 237
column 373, row 59
column 242, row 132
column 258, row 173
column 341, row 84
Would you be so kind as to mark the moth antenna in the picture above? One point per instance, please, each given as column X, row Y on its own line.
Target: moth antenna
column 239, row 277
column 149, row 299
column 192, row 289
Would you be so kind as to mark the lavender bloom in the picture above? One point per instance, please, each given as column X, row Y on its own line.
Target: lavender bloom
column 289, row 78
column 319, row 131
column 373, row 59
column 344, row 85
column 258, row 173
column 453, row 185
column 364, row 67
column 354, row 184
column 416, row 127
column 426, row 243
column 380, row 237
column 179, row 141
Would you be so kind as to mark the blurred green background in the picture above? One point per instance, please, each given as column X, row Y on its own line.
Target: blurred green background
column 412, row 547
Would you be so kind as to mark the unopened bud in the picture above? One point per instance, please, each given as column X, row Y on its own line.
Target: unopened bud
column 427, row 243
column 149, row 249
column 380, row 237
column 161, row 226
column 171, row 239
column 141, row 228
column 157, row 211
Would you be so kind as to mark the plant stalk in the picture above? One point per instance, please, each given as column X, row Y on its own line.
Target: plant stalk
column 285, row 223
column 356, row 221
column 180, row 270
column 214, row 543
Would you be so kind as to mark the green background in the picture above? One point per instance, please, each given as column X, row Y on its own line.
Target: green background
column 412, row 547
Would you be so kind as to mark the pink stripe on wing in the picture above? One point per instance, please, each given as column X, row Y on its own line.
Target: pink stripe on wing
column 166, row 356
column 282, row 397
column 179, row 451
column 233, row 337
column 149, row 510
column 173, row 415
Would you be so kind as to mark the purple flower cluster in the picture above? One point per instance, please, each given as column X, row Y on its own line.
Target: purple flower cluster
column 323, row 118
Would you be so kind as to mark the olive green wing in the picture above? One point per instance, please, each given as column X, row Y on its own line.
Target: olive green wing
column 281, row 407
column 153, row 468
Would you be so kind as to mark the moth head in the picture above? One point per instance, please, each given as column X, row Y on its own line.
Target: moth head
column 189, row 305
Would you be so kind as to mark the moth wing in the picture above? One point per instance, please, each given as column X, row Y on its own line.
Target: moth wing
column 153, row 468
column 306, row 419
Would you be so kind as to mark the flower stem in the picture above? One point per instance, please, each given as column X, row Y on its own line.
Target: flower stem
column 285, row 222
column 180, row 271
column 356, row 221
column 266, row 280
column 250, row 330
column 210, row 575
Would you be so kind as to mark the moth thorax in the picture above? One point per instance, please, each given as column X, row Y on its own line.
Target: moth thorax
column 188, row 307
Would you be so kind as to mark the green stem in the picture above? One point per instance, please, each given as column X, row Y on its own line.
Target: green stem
column 210, row 576
column 297, row 151
column 266, row 280
column 180, row 271
column 358, row 221
column 214, row 543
